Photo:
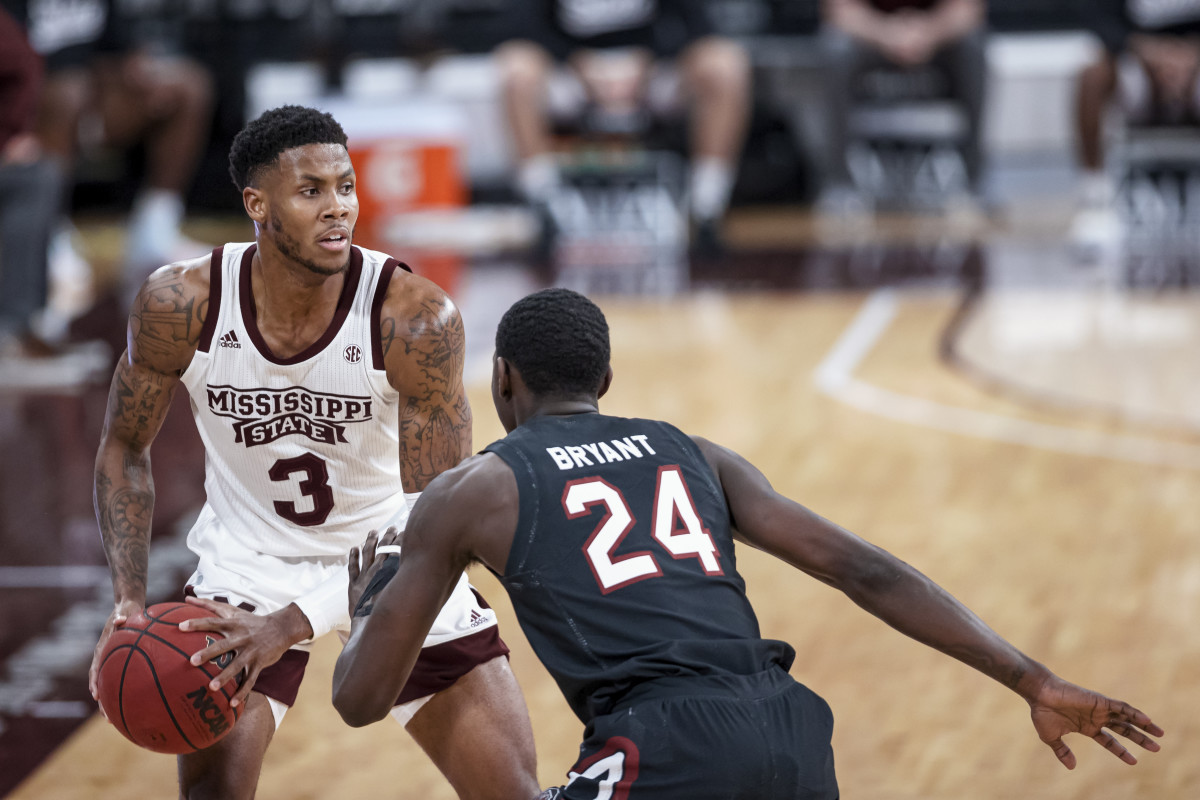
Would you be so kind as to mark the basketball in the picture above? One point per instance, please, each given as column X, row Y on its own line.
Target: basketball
column 150, row 690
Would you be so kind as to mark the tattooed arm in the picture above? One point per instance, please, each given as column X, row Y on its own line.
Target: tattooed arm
column 916, row 606
column 424, row 349
column 164, row 329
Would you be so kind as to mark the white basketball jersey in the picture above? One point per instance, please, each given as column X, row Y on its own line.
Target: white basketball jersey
column 302, row 453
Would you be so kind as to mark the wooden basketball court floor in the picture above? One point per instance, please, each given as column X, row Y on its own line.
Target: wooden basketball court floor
column 1026, row 433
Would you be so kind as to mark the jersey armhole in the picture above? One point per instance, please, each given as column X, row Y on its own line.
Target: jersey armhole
column 527, row 506
column 214, row 300
column 381, row 290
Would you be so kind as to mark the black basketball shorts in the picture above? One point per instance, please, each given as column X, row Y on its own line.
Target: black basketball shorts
column 756, row 737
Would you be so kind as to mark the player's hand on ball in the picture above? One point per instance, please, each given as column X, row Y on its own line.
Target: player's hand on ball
column 121, row 614
column 364, row 566
column 256, row 641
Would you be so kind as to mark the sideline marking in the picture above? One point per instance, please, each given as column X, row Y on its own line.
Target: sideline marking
column 835, row 377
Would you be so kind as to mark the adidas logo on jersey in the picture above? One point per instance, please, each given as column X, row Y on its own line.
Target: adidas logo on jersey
column 230, row 340
column 477, row 619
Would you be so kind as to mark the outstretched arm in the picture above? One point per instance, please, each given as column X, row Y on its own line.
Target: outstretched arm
column 916, row 606
column 164, row 328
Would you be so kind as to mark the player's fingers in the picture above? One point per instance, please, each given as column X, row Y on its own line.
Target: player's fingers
column 353, row 564
column 1140, row 719
column 1113, row 746
column 391, row 536
column 214, row 651
column 219, row 611
column 225, row 676
column 1134, row 735
column 218, row 624
column 369, row 545
column 93, row 683
column 244, row 690
column 1063, row 753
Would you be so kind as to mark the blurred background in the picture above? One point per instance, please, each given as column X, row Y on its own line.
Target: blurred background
column 929, row 263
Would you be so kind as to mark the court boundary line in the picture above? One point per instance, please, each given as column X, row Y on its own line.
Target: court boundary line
column 835, row 377
column 994, row 381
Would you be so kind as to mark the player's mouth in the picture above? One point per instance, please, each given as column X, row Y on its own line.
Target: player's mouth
column 335, row 240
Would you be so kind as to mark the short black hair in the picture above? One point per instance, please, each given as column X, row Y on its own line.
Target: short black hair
column 259, row 144
column 558, row 340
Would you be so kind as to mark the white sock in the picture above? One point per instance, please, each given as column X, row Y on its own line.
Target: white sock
column 153, row 227
column 1096, row 189
column 538, row 177
column 710, row 186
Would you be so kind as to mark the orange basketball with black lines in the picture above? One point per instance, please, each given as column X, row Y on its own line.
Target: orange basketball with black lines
column 153, row 694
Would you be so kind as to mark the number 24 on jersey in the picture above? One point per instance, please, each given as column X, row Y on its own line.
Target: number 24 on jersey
column 672, row 504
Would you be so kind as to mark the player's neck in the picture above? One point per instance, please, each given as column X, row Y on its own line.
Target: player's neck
column 293, row 306
column 563, row 408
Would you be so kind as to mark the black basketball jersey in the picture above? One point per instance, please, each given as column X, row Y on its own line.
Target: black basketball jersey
column 622, row 569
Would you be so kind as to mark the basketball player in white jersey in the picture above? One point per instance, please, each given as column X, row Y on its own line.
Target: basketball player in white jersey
column 326, row 384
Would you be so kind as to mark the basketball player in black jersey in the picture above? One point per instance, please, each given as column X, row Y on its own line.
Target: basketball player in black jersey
column 614, row 538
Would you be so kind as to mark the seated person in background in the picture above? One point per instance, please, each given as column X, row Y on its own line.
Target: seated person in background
column 121, row 82
column 623, row 59
column 1149, row 64
column 860, row 35
column 30, row 191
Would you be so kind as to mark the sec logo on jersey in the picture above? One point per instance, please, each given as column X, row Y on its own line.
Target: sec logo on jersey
column 353, row 354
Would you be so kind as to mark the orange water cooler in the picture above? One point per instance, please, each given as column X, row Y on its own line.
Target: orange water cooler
column 407, row 156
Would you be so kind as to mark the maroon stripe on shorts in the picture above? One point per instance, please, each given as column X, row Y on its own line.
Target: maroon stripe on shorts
column 439, row 666
column 281, row 680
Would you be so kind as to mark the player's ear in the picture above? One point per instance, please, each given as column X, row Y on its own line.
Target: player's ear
column 604, row 384
column 255, row 203
column 503, row 378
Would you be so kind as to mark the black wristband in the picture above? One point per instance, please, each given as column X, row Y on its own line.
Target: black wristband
column 387, row 571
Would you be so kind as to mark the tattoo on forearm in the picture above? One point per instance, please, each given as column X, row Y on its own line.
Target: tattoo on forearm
column 164, row 327
column 439, row 445
column 138, row 404
column 124, row 515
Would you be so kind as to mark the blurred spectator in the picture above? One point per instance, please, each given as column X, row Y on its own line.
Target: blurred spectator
column 31, row 186
column 1149, row 65
column 30, row 191
column 623, row 61
column 858, row 36
column 117, row 77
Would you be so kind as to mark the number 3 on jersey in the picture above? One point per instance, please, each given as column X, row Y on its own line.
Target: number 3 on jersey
column 675, row 525
column 314, row 484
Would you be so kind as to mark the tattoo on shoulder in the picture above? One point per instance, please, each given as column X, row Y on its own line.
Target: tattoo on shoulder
column 436, row 340
column 166, row 316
